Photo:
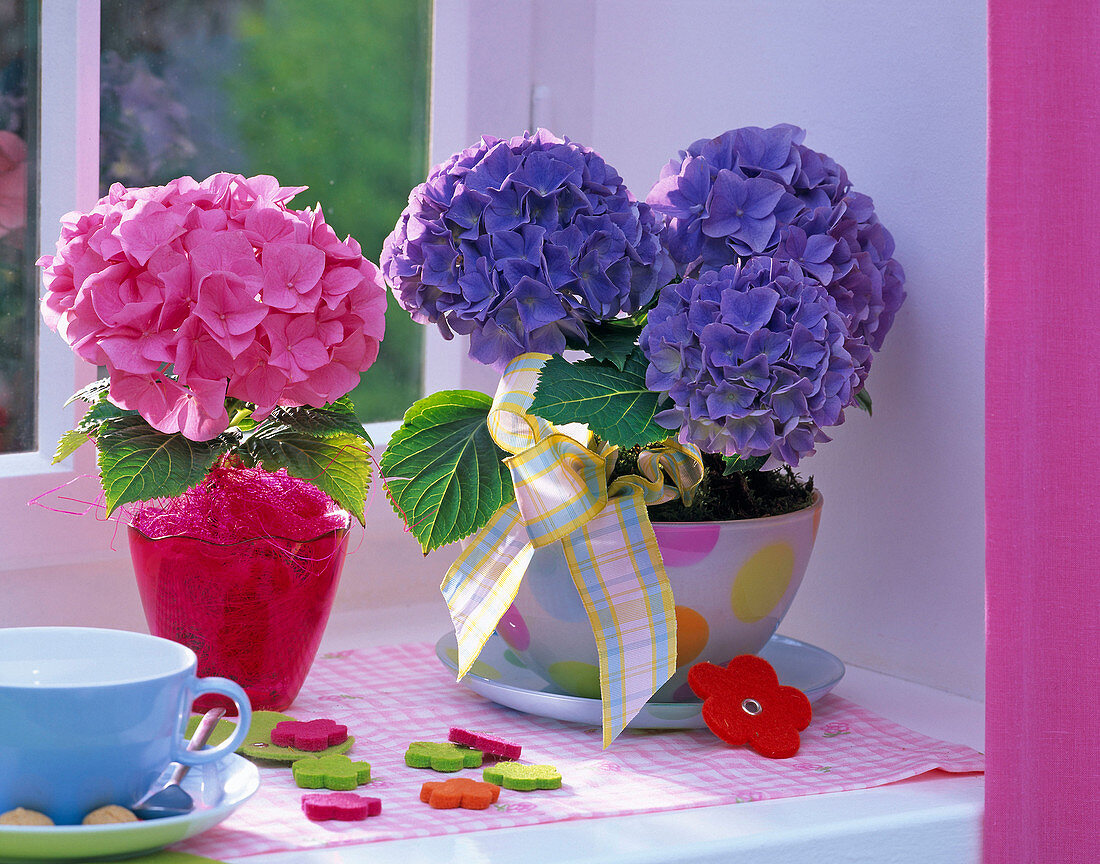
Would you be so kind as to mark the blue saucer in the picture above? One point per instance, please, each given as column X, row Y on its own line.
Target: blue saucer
column 217, row 789
column 501, row 676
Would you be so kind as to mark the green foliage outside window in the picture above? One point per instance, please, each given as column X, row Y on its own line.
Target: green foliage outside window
column 330, row 94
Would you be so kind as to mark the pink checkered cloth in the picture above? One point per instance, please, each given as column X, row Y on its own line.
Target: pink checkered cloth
column 391, row 695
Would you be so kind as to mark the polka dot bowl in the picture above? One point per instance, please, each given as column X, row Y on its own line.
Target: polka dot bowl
column 732, row 582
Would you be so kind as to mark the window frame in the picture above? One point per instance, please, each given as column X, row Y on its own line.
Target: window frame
column 66, row 81
column 68, row 177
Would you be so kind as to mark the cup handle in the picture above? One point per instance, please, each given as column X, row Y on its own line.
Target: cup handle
column 223, row 687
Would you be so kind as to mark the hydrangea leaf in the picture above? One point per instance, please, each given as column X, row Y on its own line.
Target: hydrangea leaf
column 611, row 342
column 337, row 418
column 339, row 465
column 138, row 463
column 99, row 412
column 615, row 403
column 70, row 442
column 444, row 473
column 737, row 465
column 863, row 401
column 91, row 393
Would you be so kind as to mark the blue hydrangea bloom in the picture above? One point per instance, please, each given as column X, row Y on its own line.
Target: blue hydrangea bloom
column 522, row 243
column 754, row 191
column 756, row 359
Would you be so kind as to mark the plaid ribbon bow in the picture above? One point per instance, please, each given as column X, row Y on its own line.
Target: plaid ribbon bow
column 562, row 496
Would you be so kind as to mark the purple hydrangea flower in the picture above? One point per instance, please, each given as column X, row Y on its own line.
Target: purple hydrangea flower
column 756, row 359
column 522, row 244
column 755, row 191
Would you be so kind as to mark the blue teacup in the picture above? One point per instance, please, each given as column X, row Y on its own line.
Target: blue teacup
column 92, row 717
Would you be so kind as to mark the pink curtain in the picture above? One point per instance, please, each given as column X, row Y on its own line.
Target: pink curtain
column 1043, row 433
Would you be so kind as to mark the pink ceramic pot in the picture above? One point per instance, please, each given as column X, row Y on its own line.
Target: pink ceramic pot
column 732, row 582
column 252, row 611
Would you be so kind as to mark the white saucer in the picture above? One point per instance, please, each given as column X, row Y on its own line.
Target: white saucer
column 499, row 675
column 217, row 789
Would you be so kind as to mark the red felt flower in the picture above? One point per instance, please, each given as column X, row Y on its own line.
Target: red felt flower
column 744, row 703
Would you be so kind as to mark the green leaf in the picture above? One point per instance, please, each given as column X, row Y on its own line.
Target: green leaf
column 70, row 442
column 337, row 418
column 88, row 428
column 339, row 464
column 611, row 342
column 739, row 465
column 100, row 412
column 137, row 463
column 443, row 470
column 863, row 400
column 616, row 404
column 91, row 393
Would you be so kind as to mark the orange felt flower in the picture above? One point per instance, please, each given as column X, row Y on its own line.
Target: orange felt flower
column 461, row 792
column 744, row 703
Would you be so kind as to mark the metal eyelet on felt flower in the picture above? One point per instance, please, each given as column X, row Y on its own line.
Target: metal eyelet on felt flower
column 744, row 703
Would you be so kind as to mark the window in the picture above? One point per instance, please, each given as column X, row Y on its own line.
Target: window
column 195, row 87
column 329, row 94
column 332, row 95
column 18, row 206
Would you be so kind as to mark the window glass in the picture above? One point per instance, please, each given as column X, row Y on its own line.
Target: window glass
column 330, row 94
column 18, row 228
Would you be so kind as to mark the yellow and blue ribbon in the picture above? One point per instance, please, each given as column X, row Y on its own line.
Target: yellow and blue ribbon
column 562, row 495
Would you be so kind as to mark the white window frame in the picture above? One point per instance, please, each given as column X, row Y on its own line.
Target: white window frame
column 68, row 79
column 68, row 175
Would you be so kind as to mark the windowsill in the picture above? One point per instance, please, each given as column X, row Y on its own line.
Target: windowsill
column 933, row 818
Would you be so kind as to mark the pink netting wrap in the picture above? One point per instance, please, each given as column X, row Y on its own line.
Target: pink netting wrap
column 243, row 569
column 234, row 504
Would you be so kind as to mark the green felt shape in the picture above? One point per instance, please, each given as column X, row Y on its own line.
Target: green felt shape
column 334, row 772
column 522, row 778
column 257, row 744
column 441, row 756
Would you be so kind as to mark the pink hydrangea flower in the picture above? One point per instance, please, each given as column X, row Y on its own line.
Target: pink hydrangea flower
column 191, row 293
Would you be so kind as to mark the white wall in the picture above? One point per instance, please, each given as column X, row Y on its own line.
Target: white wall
column 895, row 91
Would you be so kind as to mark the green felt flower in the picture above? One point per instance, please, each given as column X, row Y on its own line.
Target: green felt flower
column 523, row 778
column 334, row 772
column 441, row 756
